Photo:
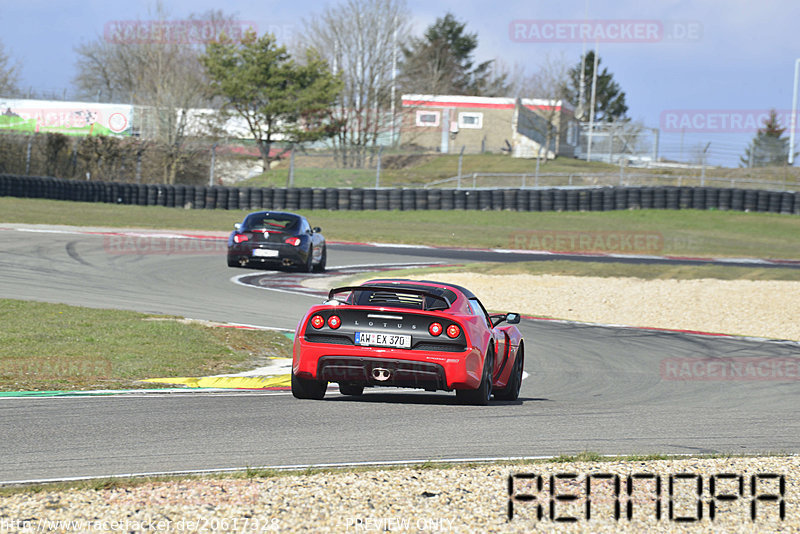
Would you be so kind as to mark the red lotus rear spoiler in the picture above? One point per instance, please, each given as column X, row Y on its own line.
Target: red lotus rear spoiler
column 393, row 289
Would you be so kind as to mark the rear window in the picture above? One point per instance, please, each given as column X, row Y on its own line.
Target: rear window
column 278, row 223
column 398, row 298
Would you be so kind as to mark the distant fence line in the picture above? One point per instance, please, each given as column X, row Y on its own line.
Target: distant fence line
column 622, row 178
column 549, row 199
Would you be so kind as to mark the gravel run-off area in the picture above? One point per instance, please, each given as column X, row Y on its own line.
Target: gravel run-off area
column 465, row 499
column 759, row 308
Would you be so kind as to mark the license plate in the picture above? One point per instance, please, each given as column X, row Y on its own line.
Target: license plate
column 375, row 339
column 265, row 253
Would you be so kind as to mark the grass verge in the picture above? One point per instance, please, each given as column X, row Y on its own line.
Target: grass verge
column 47, row 347
column 684, row 233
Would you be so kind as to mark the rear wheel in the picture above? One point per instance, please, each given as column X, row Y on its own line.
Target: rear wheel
column 351, row 389
column 320, row 267
column 480, row 396
column 232, row 262
column 511, row 391
column 304, row 388
column 309, row 265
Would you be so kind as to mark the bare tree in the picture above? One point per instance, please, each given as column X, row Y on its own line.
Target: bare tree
column 359, row 40
column 547, row 83
column 9, row 74
column 163, row 77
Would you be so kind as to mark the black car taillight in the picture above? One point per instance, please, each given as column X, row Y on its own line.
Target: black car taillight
column 240, row 238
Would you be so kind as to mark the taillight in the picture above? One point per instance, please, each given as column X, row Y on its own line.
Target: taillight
column 317, row 321
column 334, row 322
column 294, row 241
column 240, row 238
column 435, row 329
column 453, row 331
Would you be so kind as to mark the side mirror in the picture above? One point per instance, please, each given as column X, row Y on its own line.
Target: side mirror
column 510, row 318
column 316, row 229
column 237, row 226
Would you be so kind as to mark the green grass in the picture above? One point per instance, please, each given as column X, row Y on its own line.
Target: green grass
column 316, row 169
column 413, row 170
column 47, row 347
column 683, row 233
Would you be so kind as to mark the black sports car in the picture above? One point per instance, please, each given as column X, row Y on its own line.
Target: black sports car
column 277, row 239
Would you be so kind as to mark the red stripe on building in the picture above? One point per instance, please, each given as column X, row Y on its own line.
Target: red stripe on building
column 430, row 103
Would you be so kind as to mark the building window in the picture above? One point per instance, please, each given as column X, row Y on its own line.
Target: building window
column 427, row 118
column 470, row 120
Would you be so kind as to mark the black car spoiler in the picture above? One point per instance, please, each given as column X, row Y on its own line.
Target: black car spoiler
column 393, row 289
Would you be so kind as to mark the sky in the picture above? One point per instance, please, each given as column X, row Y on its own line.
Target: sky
column 701, row 71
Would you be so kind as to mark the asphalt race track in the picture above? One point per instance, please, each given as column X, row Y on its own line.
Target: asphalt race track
column 590, row 388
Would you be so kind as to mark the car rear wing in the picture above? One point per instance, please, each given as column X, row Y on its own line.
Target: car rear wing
column 396, row 292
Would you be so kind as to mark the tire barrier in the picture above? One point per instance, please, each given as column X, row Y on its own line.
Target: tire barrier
column 305, row 198
column 448, row 199
column 382, row 199
column 434, row 199
column 395, row 199
column 370, row 199
column 344, row 199
column 421, row 202
column 317, row 199
column 470, row 200
column 409, row 199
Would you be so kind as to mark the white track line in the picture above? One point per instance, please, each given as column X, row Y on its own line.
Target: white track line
column 303, row 467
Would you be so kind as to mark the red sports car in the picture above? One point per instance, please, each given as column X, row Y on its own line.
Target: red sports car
column 407, row 333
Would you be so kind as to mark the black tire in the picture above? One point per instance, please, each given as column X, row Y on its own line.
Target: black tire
column 309, row 265
column 232, row 262
column 303, row 388
column 323, row 260
column 351, row 389
column 511, row 391
column 480, row 396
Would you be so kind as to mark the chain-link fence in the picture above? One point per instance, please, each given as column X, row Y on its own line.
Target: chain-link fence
column 210, row 162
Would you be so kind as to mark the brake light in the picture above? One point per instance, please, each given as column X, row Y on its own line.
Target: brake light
column 334, row 322
column 317, row 321
column 240, row 238
column 294, row 241
column 435, row 329
column 453, row 331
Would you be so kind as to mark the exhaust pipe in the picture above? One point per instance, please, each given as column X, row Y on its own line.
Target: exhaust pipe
column 381, row 375
column 243, row 261
column 287, row 262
